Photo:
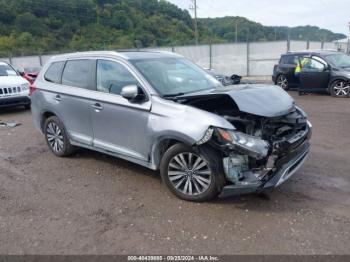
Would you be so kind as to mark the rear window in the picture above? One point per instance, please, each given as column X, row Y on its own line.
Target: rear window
column 79, row 73
column 53, row 74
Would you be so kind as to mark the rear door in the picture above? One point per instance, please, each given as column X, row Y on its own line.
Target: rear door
column 314, row 75
column 289, row 65
column 73, row 97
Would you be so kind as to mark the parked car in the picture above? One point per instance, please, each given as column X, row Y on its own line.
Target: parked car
column 29, row 73
column 322, row 71
column 162, row 111
column 14, row 90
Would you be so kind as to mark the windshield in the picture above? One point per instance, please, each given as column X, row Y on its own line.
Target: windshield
column 6, row 70
column 30, row 70
column 175, row 76
column 339, row 60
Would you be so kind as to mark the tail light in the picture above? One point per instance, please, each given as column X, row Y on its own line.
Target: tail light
column 32, row 89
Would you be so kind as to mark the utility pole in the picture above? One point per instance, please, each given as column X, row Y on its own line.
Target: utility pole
column 194, row 7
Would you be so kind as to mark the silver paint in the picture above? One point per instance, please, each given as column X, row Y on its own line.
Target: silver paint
column 135, row 131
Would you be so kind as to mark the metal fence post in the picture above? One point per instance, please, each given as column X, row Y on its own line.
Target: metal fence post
column 308, row 45
column 288, row 45
column 40, row 60
column 322, row 44
column 210, row 55
column 248, row 55
column 172, row 49
column 10, row 59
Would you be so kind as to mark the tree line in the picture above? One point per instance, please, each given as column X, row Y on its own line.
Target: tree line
column 41, row 26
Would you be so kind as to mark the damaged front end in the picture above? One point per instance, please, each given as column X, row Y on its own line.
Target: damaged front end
column 262, row 152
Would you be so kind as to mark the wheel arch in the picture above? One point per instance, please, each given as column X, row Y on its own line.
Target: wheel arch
column 45, row 115
column 163, row 144
column 337, row 78
column 277, row 76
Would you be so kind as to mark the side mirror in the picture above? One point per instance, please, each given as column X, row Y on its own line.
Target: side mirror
column 130, row 92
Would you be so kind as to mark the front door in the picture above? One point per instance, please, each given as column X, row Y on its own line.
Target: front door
column 314, row 75
column 119, row 125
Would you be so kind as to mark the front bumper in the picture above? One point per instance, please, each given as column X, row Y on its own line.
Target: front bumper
column 14, row 101
column 286, row 168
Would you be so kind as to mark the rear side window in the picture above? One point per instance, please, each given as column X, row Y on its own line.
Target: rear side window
column 53, row 74
column 79, row 73
column 290, row 60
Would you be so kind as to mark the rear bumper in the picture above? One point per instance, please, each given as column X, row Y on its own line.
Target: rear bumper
column 287, row 167
column 14, row 101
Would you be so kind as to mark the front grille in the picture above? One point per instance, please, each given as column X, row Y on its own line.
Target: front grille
column 9, row 91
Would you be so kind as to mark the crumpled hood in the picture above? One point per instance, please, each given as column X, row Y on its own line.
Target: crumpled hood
column 10, row 81
column 256, row 99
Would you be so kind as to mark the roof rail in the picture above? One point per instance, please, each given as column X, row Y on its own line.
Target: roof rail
column 313, row 51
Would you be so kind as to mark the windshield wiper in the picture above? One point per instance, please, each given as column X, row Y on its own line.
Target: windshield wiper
column 173, row 95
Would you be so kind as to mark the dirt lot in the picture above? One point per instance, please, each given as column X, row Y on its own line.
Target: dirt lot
column 95, row 204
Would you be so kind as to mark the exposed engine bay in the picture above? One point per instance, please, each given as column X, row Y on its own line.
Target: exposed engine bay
column 278, row 137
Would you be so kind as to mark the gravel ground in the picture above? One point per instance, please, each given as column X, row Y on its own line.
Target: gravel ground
column 95, row 204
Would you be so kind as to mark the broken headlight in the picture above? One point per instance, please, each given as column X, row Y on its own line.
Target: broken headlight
column 245, row 144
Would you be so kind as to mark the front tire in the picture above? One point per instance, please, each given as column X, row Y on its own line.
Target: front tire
column 282, row 82
column 190, row 175
column 340, row 88
column 57, row 138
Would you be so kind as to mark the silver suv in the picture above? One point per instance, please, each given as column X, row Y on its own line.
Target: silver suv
column 162, row 111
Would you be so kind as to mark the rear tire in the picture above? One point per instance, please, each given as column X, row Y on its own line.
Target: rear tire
column 340, row 88
column 57, row 138
column 192, row 176
column 282, row 82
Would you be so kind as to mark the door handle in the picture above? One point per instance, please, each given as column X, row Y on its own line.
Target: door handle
column 58, row 98
column 97, row 107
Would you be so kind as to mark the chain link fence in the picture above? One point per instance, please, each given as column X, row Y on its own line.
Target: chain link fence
column 245, row 59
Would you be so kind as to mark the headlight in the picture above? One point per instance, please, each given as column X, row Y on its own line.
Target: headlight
column 246, row 144
column 25, row 87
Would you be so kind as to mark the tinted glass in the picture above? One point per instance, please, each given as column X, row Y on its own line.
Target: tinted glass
column 79, row 73
column 53, row 74
column 339, row 60
column 290, row 60
column 112, row 77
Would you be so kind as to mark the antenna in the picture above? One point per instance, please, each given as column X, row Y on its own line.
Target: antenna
column 193, row 7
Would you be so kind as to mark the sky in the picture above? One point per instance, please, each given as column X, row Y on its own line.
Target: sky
column 329, row 14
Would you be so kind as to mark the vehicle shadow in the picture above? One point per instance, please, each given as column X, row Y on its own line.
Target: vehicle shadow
column 13, row 110
column 117, row 162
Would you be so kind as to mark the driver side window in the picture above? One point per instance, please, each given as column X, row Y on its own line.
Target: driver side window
column 313, row 64
column 112, row 77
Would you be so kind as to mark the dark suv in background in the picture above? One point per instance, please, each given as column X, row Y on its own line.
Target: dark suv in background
column 322, row 71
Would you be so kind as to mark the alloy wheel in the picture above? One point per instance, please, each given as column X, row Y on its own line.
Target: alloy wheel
column 55, row 137
column 189, row 173
column 341, row 88
column 282, row 82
